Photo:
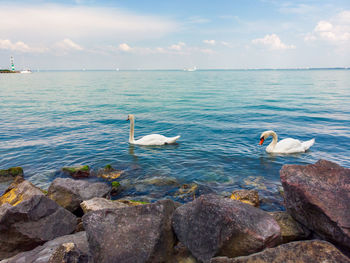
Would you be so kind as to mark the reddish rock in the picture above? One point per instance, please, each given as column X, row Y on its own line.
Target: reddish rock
column 318, row 196
column 212, row 225
column 314, row 251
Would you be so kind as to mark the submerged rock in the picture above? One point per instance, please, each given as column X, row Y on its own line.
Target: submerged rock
column 81, row 171
column 98, row 203
column 212, row 225
column 10, row 173
column 19, row 191
column 314, row 251
column 131, row 234
column 318, row 196
column 250, row 197
column 291, row 230
column 70, row 248
column 69, row 193
column 109, row 173
column 31, row 223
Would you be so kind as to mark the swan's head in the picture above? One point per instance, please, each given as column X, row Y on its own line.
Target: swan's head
column 130, row 117
column 264, row 136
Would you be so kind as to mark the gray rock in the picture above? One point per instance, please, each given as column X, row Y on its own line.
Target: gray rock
column 19, row 191
column 318, row 196
column 212, row 225
column 291, row 230
column 69, row 247
column 132, row 234
column 69, row 193
column 32, row 223
column 300, row 251
column 98, row 203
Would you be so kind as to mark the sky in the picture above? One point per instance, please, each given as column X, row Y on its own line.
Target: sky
column 160, row 34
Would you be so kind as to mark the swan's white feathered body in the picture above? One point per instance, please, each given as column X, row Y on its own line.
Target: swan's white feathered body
column 155, row 139
column 288, row 145
column 152, row 139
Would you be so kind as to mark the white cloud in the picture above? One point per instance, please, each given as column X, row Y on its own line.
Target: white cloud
column 210, row 42
column 67, row 44
column 57, row 21
column 272, row 42
column 335, row 31
column 179, row 46
column 19, row 46
column 124, row 47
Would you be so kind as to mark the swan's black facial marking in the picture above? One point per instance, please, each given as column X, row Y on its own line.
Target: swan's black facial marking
column 128, row 118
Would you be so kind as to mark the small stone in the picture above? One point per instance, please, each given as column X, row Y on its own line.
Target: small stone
column 11, row 173
column 81, row 171
column 250, row 197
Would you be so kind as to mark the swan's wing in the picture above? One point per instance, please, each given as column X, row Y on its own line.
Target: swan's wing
column 307, row 144
column 289, row 145
column 152, row 139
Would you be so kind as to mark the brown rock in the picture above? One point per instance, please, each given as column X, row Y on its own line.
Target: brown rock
column 314, row 251
column 318, row 196
column 98, row 203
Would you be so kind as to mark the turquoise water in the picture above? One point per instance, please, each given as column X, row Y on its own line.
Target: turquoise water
column 53, row 119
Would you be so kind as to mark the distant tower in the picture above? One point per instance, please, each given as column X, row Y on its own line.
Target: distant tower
column 12, row 64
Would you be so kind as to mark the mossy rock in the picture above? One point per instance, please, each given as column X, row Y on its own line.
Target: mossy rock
column 77, row 171
column 250, row 197
column 11, row 173
column 132, row 202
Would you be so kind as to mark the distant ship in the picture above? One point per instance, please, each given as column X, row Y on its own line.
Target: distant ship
column 26, row 71
column 190, row 69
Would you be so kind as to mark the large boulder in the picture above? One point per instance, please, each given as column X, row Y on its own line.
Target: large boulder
column 212, row 225
column 68, row 248
column 98, row 203
column 31, row 223
column 314, row 251
column 69, row 193
column 19, row 191
column 291, row 230
column 10, row 173
column 132, row 234
column 318, row 196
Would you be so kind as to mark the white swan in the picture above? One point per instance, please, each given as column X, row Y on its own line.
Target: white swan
column 288, row 145
column 152, row 139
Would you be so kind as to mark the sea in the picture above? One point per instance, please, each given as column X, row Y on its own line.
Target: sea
column 53, row 119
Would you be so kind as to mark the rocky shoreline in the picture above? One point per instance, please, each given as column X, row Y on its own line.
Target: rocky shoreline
column 75, row 221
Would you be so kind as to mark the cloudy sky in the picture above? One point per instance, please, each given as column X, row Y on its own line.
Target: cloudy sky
column 160, row 34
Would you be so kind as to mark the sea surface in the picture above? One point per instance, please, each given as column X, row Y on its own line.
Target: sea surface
column 53, row 119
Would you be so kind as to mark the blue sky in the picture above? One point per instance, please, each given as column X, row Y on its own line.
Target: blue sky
column 154, row 34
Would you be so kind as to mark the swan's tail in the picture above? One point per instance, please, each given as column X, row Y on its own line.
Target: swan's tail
column 308, row 144
column 172, row 139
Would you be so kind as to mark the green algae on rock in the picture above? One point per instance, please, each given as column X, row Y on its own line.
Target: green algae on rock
column 77, row 171
column 10, row 173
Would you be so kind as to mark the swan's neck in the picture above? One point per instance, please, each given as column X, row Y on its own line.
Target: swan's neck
column 131, row 134
column 272, row 145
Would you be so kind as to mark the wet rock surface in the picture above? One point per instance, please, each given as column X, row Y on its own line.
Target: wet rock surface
column 300, row 251
column 250, row 197
column 68, row 248
column 318, row 196
column 81, row 171
column 10, row 173
column 132, row 234
column 69, row 193
column 213, row 225
column 31, row 223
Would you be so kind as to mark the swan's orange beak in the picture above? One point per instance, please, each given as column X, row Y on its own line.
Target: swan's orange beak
column 261, row 140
